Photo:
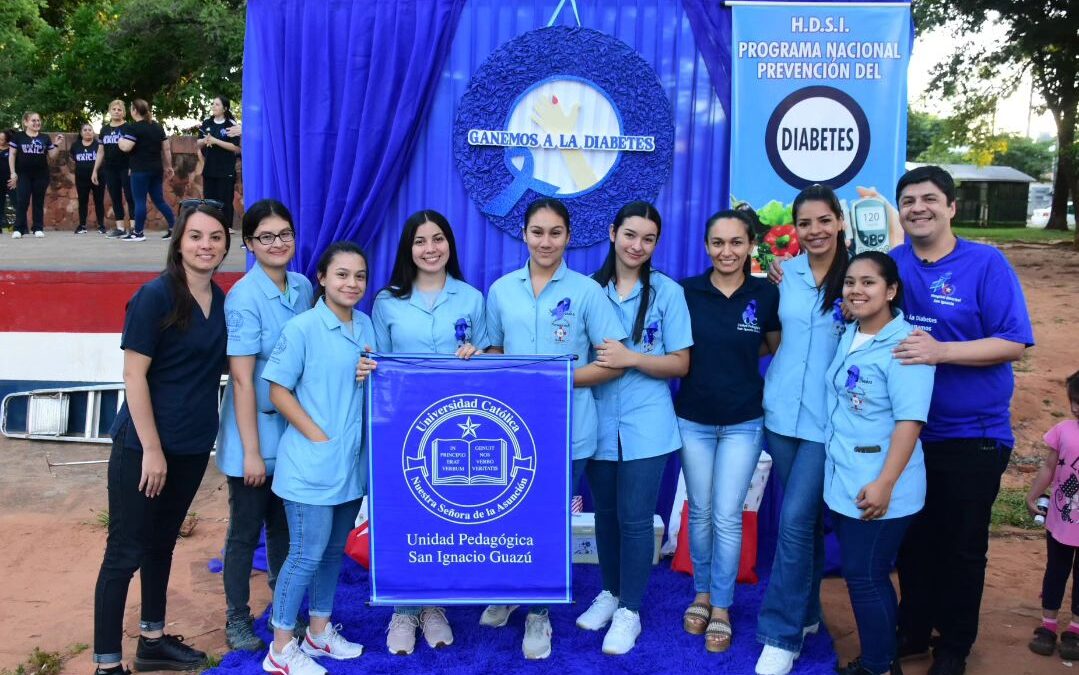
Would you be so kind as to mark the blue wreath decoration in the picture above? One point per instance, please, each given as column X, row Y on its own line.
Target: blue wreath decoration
column 611, row 64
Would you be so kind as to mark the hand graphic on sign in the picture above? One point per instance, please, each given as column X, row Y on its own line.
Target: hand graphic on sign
column 550, row 117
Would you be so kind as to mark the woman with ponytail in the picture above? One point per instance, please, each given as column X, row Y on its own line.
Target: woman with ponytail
column 810, row 309
column 637, row 427
column 151, row 164
column 219, row 152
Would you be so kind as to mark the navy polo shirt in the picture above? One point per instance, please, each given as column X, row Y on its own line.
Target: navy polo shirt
column 185, row 370
column 724, row 385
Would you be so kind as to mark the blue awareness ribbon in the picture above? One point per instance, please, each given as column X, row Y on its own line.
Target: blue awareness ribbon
column 523, row 181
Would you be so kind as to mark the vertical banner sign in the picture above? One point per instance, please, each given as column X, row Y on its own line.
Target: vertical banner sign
column 819, row 95
column 469, row 480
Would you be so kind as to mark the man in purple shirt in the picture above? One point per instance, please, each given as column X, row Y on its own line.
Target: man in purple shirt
column 972, row 323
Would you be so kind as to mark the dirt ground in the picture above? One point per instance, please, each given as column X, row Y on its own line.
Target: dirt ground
column 51, row 541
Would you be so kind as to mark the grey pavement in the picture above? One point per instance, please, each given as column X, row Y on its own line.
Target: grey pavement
column 61, row 250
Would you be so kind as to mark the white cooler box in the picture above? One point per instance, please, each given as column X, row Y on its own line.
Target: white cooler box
column 583, row 544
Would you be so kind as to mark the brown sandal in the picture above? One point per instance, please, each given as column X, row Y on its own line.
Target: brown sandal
column 717, row 637
column 695, row 619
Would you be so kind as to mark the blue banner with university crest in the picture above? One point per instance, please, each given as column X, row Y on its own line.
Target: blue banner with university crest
column 469, row 479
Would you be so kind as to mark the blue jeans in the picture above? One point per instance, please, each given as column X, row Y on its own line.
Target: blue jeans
column 625, row 494
column 868, row 548
column 317, row 536
column 792, row 600
column 149, row 183
column 718, row 463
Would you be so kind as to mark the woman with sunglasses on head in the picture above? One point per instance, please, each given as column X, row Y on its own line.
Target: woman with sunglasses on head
column 316, row 373
column 112, row 166
column 84, row 153
column 720, row 417
column 219, row 151
column 426, row 308
column 174, row 354
column 874, row 475
column 810, row 309
column 547, row 308
column 151, row 164
column 256, row 310
column 28, row 165
column 637, row 427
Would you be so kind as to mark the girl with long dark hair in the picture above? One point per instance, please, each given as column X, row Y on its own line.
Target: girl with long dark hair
column 257, row 308
column 547, row 308
column 875, row 470
column 810, row 309
column 427, row 308
column 720, row 417
column 219, row 151
column 637, row 427
column 321, row 471
column 151, row 165
column 28, row 171
column 174, row 355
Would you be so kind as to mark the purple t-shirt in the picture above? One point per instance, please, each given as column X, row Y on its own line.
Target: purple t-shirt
column 970, row 294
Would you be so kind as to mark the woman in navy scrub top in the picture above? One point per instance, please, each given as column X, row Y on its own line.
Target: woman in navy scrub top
column 174, row 355
column 720, row 417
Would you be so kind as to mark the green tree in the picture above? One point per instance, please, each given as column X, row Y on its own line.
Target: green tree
column 177, row 54
column 922, row 130
column 1042, row 38
column 20, row 22
column 1034, row 158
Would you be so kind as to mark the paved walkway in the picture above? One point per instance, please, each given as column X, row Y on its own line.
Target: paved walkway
column 92, row 252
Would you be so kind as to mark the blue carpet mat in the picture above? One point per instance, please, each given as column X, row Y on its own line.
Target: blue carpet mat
column 662, row 648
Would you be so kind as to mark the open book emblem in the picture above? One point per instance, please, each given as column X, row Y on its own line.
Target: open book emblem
column 469, row 458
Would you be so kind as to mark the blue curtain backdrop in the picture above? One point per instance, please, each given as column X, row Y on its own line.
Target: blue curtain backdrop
column 349, row 107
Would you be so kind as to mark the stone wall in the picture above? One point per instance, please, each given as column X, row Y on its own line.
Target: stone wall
column 62, row 203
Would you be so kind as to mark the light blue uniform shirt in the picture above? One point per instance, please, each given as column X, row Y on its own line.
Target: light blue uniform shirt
column 255, row 311
column 569, row 316
column 637, row 407
column 316, row 358
column 868, row 392
column 794, row 384
column 406, row 325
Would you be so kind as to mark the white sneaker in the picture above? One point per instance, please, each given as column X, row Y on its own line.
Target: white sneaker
column 537, row 642
column 622, row 635
column 599, row 614
column 16, row 235
column 496, row 616
column 401, row 633
column 775, row 661
column 331, row 644
column 436, row 629
column 292, row 661
column 39, row 234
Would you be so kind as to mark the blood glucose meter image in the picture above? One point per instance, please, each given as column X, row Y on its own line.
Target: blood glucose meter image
column 869, row 218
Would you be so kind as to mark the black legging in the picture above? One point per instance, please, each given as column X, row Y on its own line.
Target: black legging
column 118, row 181
column 6, row 196
column 142, row 536
column 1060, row 563
column 31, row 187
column 84, row 187
column 221, row 188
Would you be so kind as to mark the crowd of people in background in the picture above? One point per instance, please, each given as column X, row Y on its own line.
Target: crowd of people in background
column 887, row 403
column 129, row 158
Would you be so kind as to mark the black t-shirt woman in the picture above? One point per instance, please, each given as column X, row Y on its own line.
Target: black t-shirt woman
column 84, row 153
column 113, row 168
column 174, row 354
column 147, row 146
column 219, row 151
column 28, row 163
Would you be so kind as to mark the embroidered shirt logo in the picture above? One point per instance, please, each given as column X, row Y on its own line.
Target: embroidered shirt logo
column 650, row 333
column 561, row 323
column 942, row 291
column 749, row 323
column 462, row 331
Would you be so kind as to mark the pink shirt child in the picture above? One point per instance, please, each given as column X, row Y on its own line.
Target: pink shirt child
column 1063, row 518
